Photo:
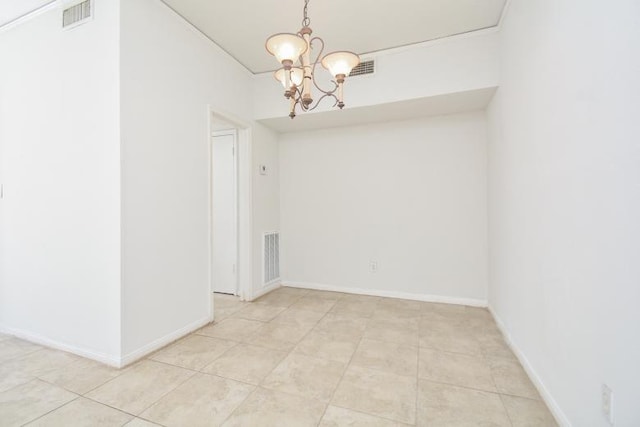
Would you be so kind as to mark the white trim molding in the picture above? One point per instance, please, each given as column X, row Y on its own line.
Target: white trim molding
column 553, row 406
column 54, row 4
column 263, row 291
column 107, row 359
column 388, row 294
column 111, row 360
column 157, row 344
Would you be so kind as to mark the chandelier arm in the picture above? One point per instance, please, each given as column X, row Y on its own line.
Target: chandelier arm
column 297, row 97
column 317, row 103
column 292, row 113
column 313, row 71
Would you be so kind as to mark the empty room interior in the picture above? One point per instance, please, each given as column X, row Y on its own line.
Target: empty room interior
column 320, row 213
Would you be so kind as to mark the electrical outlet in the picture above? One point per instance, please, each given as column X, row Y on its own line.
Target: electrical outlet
column 373, row 266
column 607, row 403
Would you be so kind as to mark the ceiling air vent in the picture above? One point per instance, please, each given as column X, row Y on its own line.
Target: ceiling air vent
column 365, row 67
column 77, row 14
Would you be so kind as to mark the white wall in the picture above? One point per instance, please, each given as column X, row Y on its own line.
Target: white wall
column 170, row 73
column 455, row 64
column 265, row 197
column 59, row 163
column 564, row 201
column 410, row 195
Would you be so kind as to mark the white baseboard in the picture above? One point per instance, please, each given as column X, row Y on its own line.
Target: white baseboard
column 257, row 294
column 47, row 342
column 163, row 341
column 553, row 406
column 110, row 360
column 389, row 294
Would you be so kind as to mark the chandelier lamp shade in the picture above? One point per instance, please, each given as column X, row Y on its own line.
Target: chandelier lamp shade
column 297, row 75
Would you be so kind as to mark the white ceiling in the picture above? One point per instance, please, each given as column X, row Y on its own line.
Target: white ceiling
column 362, row 26
column 403, row 110
column 13, row 9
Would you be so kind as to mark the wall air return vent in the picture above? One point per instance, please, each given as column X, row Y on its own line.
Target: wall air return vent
column 365, row 67
column 77, row 14
column 271, row 272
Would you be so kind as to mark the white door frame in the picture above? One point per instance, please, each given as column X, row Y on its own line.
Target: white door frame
column 245, row 224
column 230, row 132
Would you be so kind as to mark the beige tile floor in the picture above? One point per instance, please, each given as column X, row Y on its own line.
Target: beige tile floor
column 292, row 358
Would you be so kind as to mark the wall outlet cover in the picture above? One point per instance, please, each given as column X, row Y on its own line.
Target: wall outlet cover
column 373, row 266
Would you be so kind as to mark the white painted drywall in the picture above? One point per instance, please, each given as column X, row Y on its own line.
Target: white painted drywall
column 564, row 201
column 266, row 196
column 170, row 73
column 409, row 195
column 457, row 64
column 60, row 167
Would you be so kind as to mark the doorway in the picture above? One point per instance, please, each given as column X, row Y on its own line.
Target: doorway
column 224, row 211
column 235, row 259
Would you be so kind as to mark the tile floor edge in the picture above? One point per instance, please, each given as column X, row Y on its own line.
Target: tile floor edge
column 548, row 399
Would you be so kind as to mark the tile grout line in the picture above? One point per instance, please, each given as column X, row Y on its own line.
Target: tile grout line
column 477, row 389
column 28, row 353
column 417, row 378
column 165, row 394
column 38, row 379
column 53, row 410
column 346, row 367
column 362, row 337
column 505, row 410
column 349, row 364
column 31, row 378
column 259, row 385
column 109, row 406
column 478, row 329
column 240, row 404
column 493, row 378
column 155, row 401
column 474, row 356
column 290, row 352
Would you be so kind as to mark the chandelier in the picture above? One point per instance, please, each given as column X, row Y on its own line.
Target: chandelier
column 297, row 75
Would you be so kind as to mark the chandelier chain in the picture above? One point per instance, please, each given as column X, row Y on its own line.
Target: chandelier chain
column 306, row 21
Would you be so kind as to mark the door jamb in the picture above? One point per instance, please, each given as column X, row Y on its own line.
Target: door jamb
column 245, row 223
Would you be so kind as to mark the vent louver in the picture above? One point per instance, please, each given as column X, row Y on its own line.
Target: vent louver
column 76, row 14
column 365, row 67
column 271, row 257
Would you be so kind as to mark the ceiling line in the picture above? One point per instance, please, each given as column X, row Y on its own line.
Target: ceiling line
column 391, row 50
column 495, row 27
column 28, row 15
column 206, row 36
column 505, row 11
column 435, row 40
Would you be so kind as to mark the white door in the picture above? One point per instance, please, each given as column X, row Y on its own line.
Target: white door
column 224, row 213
